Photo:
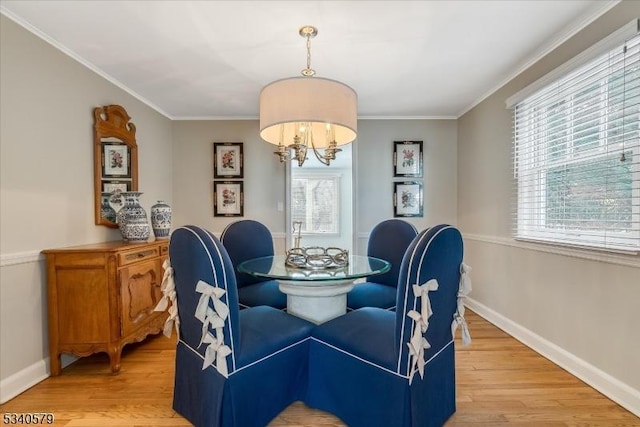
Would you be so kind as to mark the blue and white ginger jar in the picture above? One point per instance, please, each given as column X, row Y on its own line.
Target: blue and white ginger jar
column 161, row 220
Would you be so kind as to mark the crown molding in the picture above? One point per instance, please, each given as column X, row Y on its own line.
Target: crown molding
column 569, row 32
column 27, row 26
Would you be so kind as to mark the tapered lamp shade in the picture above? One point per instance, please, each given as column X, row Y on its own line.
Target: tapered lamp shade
column 302, row 101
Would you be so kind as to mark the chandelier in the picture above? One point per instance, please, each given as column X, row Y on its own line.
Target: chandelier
column 301, row 114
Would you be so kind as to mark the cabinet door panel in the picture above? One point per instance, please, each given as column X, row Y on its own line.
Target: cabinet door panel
column 139, row 293
column 82, row 313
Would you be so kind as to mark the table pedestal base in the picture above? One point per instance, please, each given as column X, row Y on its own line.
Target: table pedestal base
column 314, row 301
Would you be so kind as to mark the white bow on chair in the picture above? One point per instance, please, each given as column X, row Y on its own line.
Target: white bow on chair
column 213, row 293
column 418, row 343
column 458, row 318
column 215, row 321
column 168, row 288
column 218, row 351
column 214, row 317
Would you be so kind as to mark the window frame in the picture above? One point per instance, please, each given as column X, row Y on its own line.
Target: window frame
column 532, row 158
column 309, row 210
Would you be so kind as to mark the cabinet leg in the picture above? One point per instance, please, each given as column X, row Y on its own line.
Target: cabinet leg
column 54, row 363
column 114, row 359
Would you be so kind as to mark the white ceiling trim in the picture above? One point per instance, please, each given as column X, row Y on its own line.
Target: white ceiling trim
column 572, row 31
column 605, row 45
column 359, row 118
column 196, row 118
column 407, row 118
column 82, row 61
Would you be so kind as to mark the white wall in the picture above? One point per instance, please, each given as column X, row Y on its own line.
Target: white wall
column 264, row 178
column 578, row 308
column 374, row 172
column 46, row 181
column 264, row 181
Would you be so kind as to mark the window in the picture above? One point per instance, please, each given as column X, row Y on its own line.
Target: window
column 577, row 154
column 314, row 202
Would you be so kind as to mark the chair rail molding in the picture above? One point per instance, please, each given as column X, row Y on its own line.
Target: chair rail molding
column 20, row 258
column 592, row 255
column 35, row 255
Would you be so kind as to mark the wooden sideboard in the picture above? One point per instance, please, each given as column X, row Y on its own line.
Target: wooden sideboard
column 101, row 297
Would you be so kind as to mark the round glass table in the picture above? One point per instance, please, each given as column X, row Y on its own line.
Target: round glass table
column 316, row 295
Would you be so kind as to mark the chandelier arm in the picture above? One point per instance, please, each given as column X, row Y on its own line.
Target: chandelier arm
column 283, row 153
column 322, row 159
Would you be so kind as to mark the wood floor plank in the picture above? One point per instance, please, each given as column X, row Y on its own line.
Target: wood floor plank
column 500, row 382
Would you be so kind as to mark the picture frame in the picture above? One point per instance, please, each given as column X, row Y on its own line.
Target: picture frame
column 228, row 160
column 116, row 160
column 407, row 159
column 116, row 186
column 228, row 198
column 407, row 199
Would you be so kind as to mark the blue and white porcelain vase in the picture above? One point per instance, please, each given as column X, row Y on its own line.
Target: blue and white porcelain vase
column 132, row 218
column 161, row 220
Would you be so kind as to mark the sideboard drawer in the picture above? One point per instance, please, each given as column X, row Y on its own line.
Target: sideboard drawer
column 81, row 260
column 130, row 257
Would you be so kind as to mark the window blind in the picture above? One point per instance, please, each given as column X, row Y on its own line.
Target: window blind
column 577, row 155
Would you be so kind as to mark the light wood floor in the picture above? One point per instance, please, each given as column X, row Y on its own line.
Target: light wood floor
column 499, row 382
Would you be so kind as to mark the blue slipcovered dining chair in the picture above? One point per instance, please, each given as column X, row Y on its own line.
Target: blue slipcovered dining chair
column 233, row 367
column 388, row 240
column 374, row 367
column 247, row 239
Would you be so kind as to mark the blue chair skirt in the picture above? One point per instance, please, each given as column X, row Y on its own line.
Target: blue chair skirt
column 388, row 396
column 197, row 394
column 253, row 395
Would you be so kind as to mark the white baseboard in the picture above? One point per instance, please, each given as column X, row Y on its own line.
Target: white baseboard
column 12, row 386
column 621, row 393
column 23, row 380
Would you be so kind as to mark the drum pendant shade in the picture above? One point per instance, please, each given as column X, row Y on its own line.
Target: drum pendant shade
column 319, row 101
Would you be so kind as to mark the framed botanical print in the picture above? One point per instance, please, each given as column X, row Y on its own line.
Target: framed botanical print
column 228, row 198
column 407, row 199
column 407, row 159
column 116, row 160
column 116, row 186
column 227, row 160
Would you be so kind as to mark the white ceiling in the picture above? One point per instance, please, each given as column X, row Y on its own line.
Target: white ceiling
column 209, row 59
